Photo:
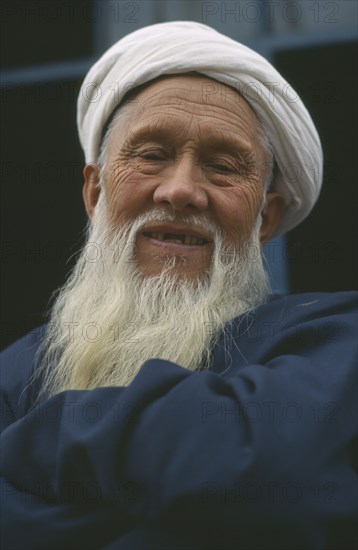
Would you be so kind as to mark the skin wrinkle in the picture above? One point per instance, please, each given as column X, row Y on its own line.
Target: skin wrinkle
column 130, row 99
column 209, row 112
column 178, row 127
column 218, row 141
column 120, row 119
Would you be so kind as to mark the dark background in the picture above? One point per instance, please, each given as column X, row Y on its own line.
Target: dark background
column 41, row 163
column 322, row 251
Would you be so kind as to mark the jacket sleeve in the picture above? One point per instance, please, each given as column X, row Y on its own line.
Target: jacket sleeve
column 259, row 458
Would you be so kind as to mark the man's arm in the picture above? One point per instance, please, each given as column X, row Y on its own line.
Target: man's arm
column 260, row 454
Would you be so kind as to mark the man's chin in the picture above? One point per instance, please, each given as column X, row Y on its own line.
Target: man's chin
column 181, row 268
column 154, row 257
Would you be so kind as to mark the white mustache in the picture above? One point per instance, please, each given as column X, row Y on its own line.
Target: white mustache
column 195, row 222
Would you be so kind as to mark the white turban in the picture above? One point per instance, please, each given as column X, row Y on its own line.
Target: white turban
column 184, row 46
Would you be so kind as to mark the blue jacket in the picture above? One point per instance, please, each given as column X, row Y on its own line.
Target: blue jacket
column 256, row 453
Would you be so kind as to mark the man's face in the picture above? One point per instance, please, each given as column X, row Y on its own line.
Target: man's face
column 187, row 146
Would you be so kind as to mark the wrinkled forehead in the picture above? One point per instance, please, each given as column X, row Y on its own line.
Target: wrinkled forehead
column 190, row 85
column 191, row 82
column 178, row 99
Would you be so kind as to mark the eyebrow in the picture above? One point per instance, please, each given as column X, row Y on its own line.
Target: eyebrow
column 218, row 141
column 229, row 141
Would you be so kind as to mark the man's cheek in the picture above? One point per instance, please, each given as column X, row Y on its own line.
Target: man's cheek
column 249, row 205
column 120, row 186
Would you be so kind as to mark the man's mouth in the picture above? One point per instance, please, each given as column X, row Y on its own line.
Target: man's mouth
column 176, row 235
column 175, row 238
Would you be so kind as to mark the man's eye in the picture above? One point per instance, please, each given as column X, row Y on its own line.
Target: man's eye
column 221, row 168
column 152, row 155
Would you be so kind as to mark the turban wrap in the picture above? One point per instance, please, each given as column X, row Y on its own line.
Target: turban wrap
column 185, row 46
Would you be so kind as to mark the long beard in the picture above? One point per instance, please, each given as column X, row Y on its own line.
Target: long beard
column 109, row 318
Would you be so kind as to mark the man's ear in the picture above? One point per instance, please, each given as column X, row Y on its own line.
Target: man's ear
column 272, row 215
column 91, row 189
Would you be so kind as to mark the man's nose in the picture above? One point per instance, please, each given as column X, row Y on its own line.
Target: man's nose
column 182, row 187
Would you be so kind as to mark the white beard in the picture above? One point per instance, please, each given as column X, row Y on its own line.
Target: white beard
column 109, row 318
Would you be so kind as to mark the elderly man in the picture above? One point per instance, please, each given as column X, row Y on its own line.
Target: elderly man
column 172, row 401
